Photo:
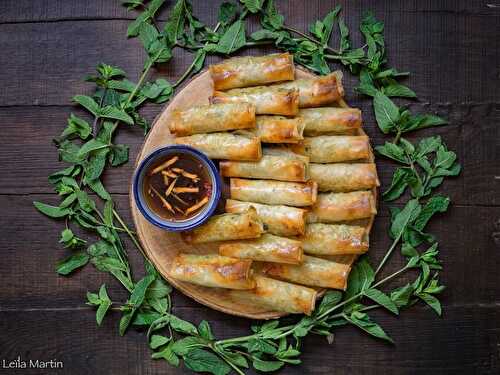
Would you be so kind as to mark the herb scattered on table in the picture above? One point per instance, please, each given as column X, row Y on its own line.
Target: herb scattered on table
column 86, row 144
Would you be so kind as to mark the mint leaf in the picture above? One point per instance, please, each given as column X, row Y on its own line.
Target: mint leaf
column 266, row 366
column 72, row 263
column 88, row 103
column 432, row 301
column 397, row 89
column 116, row 114
column 227, row 13
column 382, row 299
column 157, row 340
column 51, row 211
column 205, row 330
column 76, row 126
column 360, row 278
column 233, row 39
column 200, row 360
column 174, row 27
column 386, row 113
column 398, row 184
column 90, row 146
column 363, row 321
column 405, row 217
column 253, row 5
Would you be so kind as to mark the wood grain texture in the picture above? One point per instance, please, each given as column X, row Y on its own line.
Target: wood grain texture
column 450, row 345
column 30, row 251
column 27, row 159
column 55, row 55
column 452, row 50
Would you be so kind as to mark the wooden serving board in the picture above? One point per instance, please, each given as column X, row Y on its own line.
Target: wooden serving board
column 162, row 246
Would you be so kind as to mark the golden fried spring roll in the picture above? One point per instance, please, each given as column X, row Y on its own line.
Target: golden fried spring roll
column 334, row 239
column 252, row 71
column 237, row 226
column 278, row 296
column 319, row 121
column 285, row 167
column 232, row 146
column 267, row 248
column 334, row 207
column 274, row 192
column 278, row 220
column 312, row 271
column 279, row 129
column 342, row 177
column 268, row 100
column 318, row 91
column 212, row 118
column 213, row 271
column 334, row 148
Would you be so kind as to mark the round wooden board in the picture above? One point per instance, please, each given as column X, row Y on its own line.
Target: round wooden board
column 162, row 246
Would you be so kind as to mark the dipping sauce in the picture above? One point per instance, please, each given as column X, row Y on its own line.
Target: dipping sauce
column 177, row 187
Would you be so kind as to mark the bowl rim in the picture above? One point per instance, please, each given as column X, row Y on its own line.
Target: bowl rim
column 196, row 220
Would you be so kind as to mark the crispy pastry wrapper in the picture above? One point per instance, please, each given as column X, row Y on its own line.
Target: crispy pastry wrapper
column 334, row 239
column 312, row 271
column 212, row 118
column 233, row 226
column 213, row 271
column 317, row 91
column 334, row 148
column 335, row 207
column 327, row 120
column 344, row 177
column 275, row 164
column 252, row 71
column 268, row 100
column 278, row 296
column 279, row 129
column 267, row 248
column 278, row 220
column 297, row 194
column 231, row 146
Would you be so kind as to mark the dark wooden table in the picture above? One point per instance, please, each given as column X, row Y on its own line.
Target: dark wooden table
column 452, row 49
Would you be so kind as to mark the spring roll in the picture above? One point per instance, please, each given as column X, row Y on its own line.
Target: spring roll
column 231, row 146
column 278, row 220
column 319, row 121
column 252, row 71
column 268, row 100
column 334, row 239
column 213, row 271
column 234, row 226
column 335, row 207
column 212, row 118
column 278, row 296
column 318, row 91
column 285, row 167
column 267, row 248
column 312, row 271
column 274, row 192
column 279, row 129
column 343, row 177
column 334, row 148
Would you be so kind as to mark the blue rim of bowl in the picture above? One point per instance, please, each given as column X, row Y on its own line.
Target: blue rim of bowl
column 198, row 219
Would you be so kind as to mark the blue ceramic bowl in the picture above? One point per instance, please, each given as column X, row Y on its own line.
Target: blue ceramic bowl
column 177, row 225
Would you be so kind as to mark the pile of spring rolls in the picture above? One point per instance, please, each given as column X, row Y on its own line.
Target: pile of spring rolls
column 300, row 179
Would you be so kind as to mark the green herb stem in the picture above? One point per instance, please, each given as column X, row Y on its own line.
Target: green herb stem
column 130, row 234
column 311, row 39
column 397, row 137
column 392, row 247
column 193, row 63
